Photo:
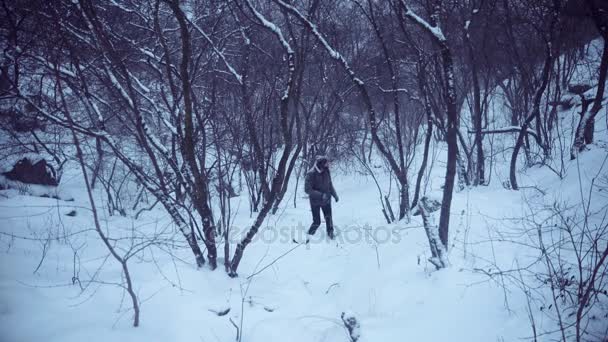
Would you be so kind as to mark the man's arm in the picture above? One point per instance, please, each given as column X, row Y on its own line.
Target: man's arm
column 333, row 191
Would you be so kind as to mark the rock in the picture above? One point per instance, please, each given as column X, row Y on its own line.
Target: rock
column 21, row 118
column 430, row 205
column 564, row 104
column 220, row 312
column 37, row 172
column 578, row 89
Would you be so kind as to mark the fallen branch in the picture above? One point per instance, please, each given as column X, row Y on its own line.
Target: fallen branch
column 331, row 287
column 274, row 261
column 238, row 331
column 509, row 129
column 146, row 209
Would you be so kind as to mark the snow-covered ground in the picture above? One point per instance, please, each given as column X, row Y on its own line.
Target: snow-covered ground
column 58, row 283
column 284, row 291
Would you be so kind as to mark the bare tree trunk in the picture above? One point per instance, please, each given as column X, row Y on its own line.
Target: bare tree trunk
column 158, row 186
column 535, row 111
column 279, row 177
column 200, row 198
column 477, row 114
column 452, row 141
column 425, row 158
column 438, row 250
column 122, row 260
column 478, row 126
column 402, row 172
column 464, row 165
column 586, row 127
column 290, row 169
column 357, row 82
column 461, row 172
column 429, row 131
column 99, row 162
column 404, row 199
column 452, row 114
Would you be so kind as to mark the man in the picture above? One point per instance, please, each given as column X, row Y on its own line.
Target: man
column 319, row 188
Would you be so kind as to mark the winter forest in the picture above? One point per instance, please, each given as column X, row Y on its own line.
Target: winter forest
column 313, row 170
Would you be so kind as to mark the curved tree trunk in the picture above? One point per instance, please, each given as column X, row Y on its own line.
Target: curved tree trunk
column 452, row 141
column 534, row 112
column 429, row 133
column 200, row 198
column 586, row 127
column 452, row 120
column 280, row 176
column 290, row 169
column 477, row 123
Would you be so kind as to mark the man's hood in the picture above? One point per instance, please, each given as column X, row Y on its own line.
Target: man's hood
column 316, row 167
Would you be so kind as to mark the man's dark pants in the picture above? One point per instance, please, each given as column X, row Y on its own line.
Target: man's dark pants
column 316, row 218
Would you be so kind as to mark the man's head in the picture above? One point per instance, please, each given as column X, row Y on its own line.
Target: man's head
column 322, row 163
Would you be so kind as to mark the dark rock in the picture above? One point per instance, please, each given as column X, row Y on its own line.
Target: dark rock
column 564, row 104
column 39, row 172
column 20, row 121
column 222, row 312
column 578, row 89
column 430, row 205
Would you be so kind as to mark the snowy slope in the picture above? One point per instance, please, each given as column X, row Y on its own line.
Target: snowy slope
column 387, row 285
column 291, row 292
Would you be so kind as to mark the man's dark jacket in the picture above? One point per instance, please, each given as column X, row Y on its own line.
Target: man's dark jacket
column 319, row 183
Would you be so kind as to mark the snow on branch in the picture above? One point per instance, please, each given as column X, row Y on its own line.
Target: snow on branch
column 333, row 53
column 144, row 126
column 508, row 129
column 121, row 6
column 118, row 86
column 290, row 53
column 232, row 70
column 434, row 30
column 397, row 90
column 53, row 66
column 272, row 27
column 143, row 87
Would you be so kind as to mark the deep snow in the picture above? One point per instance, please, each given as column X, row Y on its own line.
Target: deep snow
column 389, row 286
column 377, row 272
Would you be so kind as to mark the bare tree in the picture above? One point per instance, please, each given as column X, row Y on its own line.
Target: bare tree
column 273, row 189
column 586, row 126
column 435, row 32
